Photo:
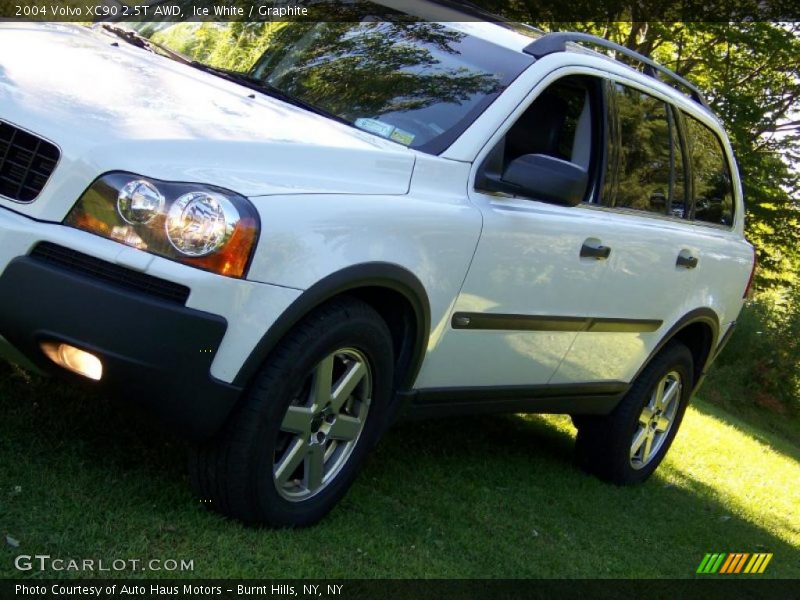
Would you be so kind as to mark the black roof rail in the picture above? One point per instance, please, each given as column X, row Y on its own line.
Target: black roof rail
column 557, row 41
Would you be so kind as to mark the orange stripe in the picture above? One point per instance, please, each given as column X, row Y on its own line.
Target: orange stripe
column 728, row 560
column 741, row 562
column 735, row 562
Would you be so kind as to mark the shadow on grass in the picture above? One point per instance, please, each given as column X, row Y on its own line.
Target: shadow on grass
column 468, row 497
column 778, row 441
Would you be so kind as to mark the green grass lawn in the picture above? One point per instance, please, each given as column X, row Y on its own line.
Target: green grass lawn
column 474, row 497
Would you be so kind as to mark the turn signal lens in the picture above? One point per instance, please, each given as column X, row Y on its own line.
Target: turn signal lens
column 74, row 359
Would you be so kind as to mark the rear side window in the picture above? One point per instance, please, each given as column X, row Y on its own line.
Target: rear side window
column 712, row 184
column 645, row 167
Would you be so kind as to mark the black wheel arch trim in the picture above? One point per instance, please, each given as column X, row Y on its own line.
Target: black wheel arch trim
column 699, row 315
column 364, row 275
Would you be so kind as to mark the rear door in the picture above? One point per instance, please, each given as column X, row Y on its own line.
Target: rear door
column 645, row 199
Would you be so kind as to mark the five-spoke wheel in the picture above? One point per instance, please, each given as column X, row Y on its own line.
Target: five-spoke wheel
column 311, row 416
column 627, row 445
column 656, row 419
column 323, row 424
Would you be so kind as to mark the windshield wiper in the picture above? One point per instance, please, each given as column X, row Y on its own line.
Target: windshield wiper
column 259, row 85
column 138, row 40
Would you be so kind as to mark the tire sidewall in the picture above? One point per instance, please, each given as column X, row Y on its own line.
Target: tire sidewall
column 369, row 336
column 675, row 358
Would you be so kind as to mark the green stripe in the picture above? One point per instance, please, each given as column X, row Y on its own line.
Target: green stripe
column 701, row 568
column 718, row 564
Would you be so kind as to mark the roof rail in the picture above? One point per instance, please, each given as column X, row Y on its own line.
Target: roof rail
column 557, row 42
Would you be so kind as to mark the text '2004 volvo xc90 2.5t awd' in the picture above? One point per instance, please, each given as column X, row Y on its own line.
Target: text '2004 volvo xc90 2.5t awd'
column 367, row 220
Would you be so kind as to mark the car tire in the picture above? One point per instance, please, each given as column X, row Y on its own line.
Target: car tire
column 626, row 446
column 302, row 432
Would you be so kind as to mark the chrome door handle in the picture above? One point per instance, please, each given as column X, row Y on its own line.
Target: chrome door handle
column 686, row 261
column 595, row 251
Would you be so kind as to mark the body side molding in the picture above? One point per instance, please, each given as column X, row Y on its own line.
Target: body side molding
column 516, row 322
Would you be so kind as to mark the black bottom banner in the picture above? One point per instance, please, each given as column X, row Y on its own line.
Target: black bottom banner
column 706, row 589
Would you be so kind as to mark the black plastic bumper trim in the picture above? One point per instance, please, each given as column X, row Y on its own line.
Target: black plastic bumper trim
column 155, row 353
column 573, row 399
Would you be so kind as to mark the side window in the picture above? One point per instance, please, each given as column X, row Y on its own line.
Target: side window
column 559, row 123
column 713, row 189
column 645, row 171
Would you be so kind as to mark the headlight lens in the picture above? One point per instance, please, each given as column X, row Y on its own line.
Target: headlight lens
column 139, row 202
column 200, row 225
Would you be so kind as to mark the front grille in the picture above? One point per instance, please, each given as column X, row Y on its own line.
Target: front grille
column 101, row 270
column 26, row 163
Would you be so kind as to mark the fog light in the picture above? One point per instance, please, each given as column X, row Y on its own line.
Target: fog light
column 74, row 359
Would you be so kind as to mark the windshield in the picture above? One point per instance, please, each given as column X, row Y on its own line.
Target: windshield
column 417, row 84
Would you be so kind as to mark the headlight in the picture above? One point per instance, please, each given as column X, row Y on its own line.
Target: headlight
column 139, row 202
column 200, row 225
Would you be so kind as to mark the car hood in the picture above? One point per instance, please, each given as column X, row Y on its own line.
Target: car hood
column 111, row 106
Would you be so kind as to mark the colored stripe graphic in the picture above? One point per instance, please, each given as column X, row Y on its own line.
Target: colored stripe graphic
column 734, row 563
column 741, row 562
column 711, row 563
column 764, row 564
column 728, row 562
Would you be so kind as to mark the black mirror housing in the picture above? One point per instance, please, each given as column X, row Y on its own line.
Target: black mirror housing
column 546, row 178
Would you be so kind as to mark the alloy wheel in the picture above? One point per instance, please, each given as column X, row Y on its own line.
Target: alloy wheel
column 656, row 420
column 322, row 425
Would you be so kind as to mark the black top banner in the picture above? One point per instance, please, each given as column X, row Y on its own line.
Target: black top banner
column 722, row 11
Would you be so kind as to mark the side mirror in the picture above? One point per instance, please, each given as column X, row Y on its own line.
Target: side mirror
column 545, row 178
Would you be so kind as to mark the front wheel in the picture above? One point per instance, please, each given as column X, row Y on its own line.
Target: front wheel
column 293, row 448
column 626, row 446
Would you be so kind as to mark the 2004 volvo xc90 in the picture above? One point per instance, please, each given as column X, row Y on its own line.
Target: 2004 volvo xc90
column 280, row 257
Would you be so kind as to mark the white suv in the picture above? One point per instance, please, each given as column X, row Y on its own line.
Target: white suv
column 368, row 220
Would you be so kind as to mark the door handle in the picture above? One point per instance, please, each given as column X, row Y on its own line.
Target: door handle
column 597, row 251
column 687, row 261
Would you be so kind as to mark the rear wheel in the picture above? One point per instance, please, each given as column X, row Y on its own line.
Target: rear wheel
column 626, row 446
column 296, row 444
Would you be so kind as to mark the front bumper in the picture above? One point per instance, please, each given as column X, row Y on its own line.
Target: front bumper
column 177, row 358
column 154, row 352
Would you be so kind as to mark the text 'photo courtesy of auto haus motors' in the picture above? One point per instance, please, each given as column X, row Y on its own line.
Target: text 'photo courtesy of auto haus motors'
column 278, row 270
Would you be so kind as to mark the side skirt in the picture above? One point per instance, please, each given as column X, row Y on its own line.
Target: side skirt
column 573, row 399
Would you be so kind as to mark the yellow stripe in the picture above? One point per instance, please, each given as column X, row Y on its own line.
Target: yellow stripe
column 765, row 563
column 741, row 562
column 728, row 560
column 752, row 562
column 758, row 562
